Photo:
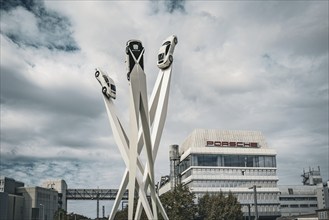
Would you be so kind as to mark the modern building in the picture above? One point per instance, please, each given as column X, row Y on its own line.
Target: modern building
column 307, row 198
column 323, row 214
column 237, row 161
column 61, row 187
column 298, row 200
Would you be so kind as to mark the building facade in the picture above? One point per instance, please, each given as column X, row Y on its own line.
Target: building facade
column 307, row 198
column 9, row 185
column 213, row 161
column 11, row 204
column 298, row 200
column 61, row 187
column 31, row 203
column 39, row 203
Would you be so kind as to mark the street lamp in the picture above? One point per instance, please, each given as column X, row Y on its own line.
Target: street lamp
column 255, row 200
column 43, row 211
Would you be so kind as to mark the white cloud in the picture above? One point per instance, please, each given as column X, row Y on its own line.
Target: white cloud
column 238, row 66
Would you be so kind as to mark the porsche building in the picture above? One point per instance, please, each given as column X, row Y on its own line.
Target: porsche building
column 237, row 161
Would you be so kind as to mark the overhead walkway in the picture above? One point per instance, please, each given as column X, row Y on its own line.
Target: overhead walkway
column 93, row 194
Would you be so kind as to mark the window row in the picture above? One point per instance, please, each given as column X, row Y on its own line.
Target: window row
column 262, row 208
column 234, row 172
column 228, row 161
column 298, row 198
column 299, row 206
column 231, row 183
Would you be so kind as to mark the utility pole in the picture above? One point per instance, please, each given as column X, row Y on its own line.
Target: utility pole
column 255, row 200
column 43, row 211
column 97, row 197
column 103, row 211
column 249, row 212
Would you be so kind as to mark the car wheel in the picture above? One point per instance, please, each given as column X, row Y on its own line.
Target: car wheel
column 127, row 50
column 104, row 90
column 128, row 76
column 97, row 73
column 171, row 58
column 175, row 40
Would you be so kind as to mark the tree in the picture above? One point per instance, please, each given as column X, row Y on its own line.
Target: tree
column 60, row 214
column 179, row 203
column 217, row 206
column 123, row 214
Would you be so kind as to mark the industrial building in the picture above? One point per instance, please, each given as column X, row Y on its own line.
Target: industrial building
column 61, row 187
column 307, row 198
column 237, row 161
column 39, row 203
column 18, row 202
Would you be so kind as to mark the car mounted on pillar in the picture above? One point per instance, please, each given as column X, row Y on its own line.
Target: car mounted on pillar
column 135, row 52
column 165, row 55
column 108, row 86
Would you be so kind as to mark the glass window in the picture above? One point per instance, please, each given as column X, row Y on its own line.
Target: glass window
column 185, row 164
column 207, row 160
column 234, row 161
column 268, row 161
column 261, row 160
column 167, row 49
column 249, row 161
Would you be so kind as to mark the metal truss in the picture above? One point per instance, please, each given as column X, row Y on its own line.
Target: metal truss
column 94, row 194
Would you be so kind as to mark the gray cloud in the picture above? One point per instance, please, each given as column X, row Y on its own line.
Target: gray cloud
column 175, row 5
column 237, row 66
column 41, row 27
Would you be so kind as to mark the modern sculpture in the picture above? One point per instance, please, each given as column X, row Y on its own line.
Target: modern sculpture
column 147, row 120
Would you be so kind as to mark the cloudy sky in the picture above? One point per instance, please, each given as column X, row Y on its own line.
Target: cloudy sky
column 238, row 66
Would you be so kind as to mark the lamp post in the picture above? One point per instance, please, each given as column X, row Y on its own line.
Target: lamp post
column 255, row 200
column 43, row 211
column 249, row 216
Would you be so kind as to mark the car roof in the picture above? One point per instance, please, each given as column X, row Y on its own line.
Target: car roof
column 133, row 41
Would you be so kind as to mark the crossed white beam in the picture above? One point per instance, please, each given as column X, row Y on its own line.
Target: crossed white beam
column 130, row 148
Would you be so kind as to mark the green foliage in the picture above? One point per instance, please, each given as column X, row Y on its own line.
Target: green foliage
column 61, row 214
column 73, row 216
column 179, row 203
column 123, row 214
column 217, row 206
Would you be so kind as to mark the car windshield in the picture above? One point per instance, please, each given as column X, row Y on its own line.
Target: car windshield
column 167, row 49
column 160, row 56
column 106, row 80
column 166, row 43
column 113, row 87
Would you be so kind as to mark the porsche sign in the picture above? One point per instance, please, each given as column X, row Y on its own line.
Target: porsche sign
column 231, row 144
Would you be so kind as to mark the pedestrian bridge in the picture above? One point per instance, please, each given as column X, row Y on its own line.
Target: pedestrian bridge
column 93, row 194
